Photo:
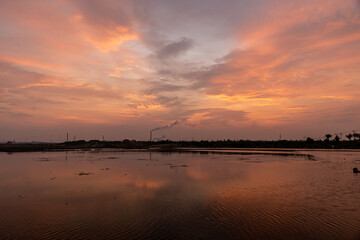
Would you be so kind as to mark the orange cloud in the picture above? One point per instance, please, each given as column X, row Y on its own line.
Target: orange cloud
column 106, row 38
column 34, row 63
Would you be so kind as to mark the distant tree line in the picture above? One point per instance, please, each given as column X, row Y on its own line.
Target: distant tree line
column 354, row 136
column 329, row 141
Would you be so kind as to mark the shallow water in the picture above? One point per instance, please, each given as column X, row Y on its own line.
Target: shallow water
column 200, row 195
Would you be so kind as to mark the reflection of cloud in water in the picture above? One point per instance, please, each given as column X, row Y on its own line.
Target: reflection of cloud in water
column 220, row 197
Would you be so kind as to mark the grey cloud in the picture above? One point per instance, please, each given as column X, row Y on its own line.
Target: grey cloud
column 175, row 48
column 169, row 101
column 163, row 87
column 201, row 77
column 153, row 39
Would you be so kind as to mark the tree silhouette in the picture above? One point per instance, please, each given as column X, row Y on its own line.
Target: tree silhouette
column 328, row 136
column 349, row 136
column 356, row 135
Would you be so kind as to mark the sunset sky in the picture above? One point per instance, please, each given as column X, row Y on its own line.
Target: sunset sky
column 238, row 69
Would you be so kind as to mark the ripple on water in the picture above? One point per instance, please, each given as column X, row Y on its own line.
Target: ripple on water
column 308, row 200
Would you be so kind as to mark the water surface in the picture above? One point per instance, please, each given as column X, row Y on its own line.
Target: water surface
column 201, row 195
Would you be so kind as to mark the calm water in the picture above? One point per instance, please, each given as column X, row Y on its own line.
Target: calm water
column 202, row 195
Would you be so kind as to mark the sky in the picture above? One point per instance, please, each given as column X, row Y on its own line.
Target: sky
column 233, row 69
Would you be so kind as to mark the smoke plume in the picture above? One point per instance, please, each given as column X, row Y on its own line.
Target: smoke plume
column 165, row 127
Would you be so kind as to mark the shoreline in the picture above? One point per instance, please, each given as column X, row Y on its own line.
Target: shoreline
column 183, row 146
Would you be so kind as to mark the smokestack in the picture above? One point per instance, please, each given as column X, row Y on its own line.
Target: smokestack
column 163, row 127
column 67, row 137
